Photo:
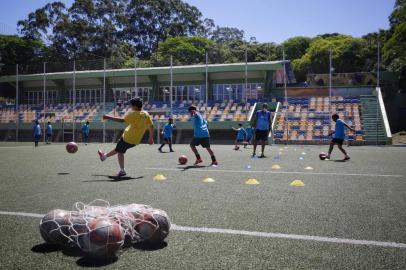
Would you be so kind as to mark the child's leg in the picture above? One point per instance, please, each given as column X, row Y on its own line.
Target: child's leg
column 330, row 150
column 211, row 153
column 255, row 146
column 111, row 153
column 340, row 147
column 194, row 149
column 170, row 144
column 263, row 146
column 162, row 145
column 120, row 157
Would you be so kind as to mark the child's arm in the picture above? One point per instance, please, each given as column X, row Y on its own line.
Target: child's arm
column 347, row 126
column 235, row 129
column 113, row 118
column 151, row 134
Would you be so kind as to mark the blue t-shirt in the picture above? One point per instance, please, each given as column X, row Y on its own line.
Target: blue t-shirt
column 250, row 132
column 339, row 131
column 240, row 133
column 37, row 130
column 200, row 129
column 168, row 130
column 263, row 118
column 85, row 129
column 49, row 129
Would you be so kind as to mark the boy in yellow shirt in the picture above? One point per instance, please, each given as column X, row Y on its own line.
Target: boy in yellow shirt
column 138, row 122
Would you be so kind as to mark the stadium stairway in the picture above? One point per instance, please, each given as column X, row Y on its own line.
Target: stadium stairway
column 374, row 130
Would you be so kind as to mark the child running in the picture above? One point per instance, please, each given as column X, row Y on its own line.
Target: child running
column 240, row 136
column 167, row 132
column 138, row 122
column 250, row 134
column 85, row 132
column 339, row 135
column 201, row 136
column 262, row 124
column 37, row 133
column 49, row 133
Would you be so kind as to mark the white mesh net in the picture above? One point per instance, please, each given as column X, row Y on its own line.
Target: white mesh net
column 100, row 229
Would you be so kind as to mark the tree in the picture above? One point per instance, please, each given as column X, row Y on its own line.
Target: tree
column 296, row 47
column 16, row 50
column 111, row 28
column 394, row 53
column 398, row 14
column 347, row 55
column 227, row 35
column 185, row 50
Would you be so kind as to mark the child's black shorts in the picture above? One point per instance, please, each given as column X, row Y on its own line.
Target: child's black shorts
column 261, row 135
column 204, row 142
column 122, row 146
column 337, row 141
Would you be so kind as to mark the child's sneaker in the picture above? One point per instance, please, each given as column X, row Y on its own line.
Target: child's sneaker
column 214, row 163
column 121, row 173
column 199, row 160
column 101, row 155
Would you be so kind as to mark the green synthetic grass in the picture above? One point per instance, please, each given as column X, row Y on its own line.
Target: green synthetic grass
column 36, row 180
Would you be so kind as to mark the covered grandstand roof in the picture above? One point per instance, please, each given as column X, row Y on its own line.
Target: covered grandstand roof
column 201, row 68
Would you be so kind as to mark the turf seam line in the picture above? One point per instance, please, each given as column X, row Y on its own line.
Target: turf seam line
column 175, row 227
column 273, row 172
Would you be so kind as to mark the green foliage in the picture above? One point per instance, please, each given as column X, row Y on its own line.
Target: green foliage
column 398, row 14
column 16, row 50
column 394, row 51
column 185, row 50
column 296, row 47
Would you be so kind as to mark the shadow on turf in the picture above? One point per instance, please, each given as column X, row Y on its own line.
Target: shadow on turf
column 46, row 248
column 150, row 246
column 192, row 167
column 63, row 173
column 84, row 260
column 112, row 178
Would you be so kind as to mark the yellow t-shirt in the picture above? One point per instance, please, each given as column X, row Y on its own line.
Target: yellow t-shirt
column 138, row 122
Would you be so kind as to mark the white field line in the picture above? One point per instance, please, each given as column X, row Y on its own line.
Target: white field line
column 335, row 240
column 280, row 172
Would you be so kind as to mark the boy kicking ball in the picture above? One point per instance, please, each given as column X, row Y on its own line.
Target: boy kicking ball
column 240, row 136
column 138, row 122
column 339, row 136
column 201, row 136
column 167, row 133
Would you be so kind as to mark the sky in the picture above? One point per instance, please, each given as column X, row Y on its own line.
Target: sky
column 267, row 20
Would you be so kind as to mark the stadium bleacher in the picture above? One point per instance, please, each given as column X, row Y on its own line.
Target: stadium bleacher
column 305, row 119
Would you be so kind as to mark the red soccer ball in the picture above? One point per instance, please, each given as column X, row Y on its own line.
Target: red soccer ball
column 182, row 159
column 322, row 156
column 72, row 147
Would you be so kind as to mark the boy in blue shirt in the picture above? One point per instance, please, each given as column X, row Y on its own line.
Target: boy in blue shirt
column 201, row 136
column 37, row 133
column 262, row 124
column 339, row 135
column 85, row 132
column 49, row 132
column 167, row 132
column 250, row 134
column 240, row 136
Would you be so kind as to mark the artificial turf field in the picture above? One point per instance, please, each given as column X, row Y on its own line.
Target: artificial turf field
column 264, row 226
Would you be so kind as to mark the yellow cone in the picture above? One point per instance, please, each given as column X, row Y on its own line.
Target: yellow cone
column 159, row 177
column 276, row 167
column 252, row 181
column 309, row 168
column 297, row 183
column 208, row 180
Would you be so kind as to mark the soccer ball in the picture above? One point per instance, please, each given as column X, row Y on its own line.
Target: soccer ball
column 322, row 156
column 72, row 147
column 54, row 227
column 104, row 238
column 182, row 159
